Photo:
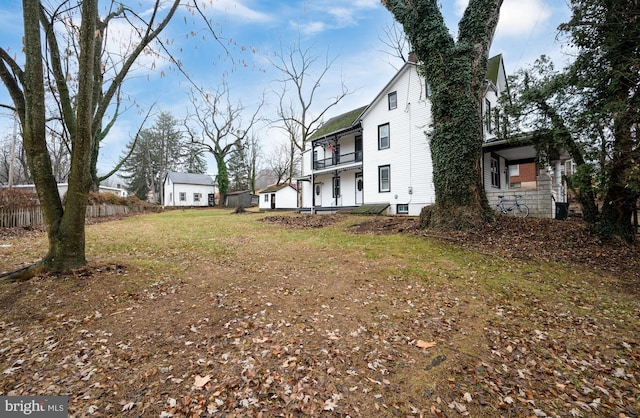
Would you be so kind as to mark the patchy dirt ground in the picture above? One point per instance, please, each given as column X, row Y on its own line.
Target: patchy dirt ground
column 325, row 335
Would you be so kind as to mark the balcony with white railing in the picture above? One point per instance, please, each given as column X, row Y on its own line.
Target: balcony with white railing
column 338, row 160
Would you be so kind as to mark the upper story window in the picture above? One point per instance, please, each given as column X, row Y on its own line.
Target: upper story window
column 488, row 127
column 393, row 100
column 383, row 136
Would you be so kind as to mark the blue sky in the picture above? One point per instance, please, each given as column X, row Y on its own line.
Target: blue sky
column 351, row 32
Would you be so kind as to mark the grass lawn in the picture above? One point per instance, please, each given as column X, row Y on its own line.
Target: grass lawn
column 204, row 312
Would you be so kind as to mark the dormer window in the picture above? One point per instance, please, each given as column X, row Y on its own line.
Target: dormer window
column 392, row 98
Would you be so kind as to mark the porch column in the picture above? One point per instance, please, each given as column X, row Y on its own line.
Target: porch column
column 313, row 193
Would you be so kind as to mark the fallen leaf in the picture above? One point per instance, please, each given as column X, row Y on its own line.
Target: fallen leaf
column 425, row 344
column 201, row 381
column 129, row 406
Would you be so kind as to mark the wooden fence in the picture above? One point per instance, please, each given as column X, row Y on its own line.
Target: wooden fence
column 24, row 217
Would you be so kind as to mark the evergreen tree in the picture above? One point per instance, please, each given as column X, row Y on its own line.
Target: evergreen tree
column 157, row 151
column 193, row 159
column 238, row 168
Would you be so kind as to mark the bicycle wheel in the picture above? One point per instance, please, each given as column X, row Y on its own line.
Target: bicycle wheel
column 520, row 211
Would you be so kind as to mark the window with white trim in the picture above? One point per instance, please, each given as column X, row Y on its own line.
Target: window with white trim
column 183, row 196
column 384, row 178
column 495, row 172
column 383, row 136
column 488, row 128
column 197, row 197
column 514, row 170
column 392, row 98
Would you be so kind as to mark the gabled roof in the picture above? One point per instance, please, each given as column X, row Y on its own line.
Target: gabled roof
column 276, row 187
column 338, row 123
column 190, row 178
column 493, row 65
column 407, row 64
column 496, row 72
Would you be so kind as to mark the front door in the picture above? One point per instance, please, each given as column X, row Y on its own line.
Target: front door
column 317, row 189
column 273, row 200
column 359, row 188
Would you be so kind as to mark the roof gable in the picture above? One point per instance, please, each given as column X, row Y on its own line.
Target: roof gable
column 190, row 178
column 277, row 187
column 496, row 73
column 407, row 65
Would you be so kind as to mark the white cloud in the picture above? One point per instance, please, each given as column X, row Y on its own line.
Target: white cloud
column 517, row 17
column 460, row 6
column 521, row 17
column 237, row 8
column 310, row 28
column 333, row 14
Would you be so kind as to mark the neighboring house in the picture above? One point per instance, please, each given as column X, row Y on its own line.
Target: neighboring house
column 279, row 196
column 188, row 189
column 379, row 155
column 63, row 187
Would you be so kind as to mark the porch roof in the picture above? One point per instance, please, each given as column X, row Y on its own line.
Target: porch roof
column 344, row 122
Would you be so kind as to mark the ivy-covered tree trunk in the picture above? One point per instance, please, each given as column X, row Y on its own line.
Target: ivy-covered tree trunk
column 624, row 178
column 456, row 72
column 223, row 177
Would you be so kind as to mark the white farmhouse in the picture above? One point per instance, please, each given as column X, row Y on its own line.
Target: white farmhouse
column 397, row 160
column 377, row 158
column 188, row 189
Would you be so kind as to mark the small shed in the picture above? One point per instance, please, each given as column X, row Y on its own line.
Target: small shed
column 279, row 196
column 188, row 189
column 241, row 199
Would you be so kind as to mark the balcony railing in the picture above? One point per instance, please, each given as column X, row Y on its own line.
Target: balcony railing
column 336, row 160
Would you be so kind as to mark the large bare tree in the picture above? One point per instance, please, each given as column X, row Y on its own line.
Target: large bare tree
column 455, row 69
column 299, row 86
column 81, row 113
column 220, row 127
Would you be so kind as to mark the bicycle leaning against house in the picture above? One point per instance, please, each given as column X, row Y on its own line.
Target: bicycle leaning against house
column 513, row 206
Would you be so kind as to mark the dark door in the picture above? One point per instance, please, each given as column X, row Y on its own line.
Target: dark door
column 273, row 200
